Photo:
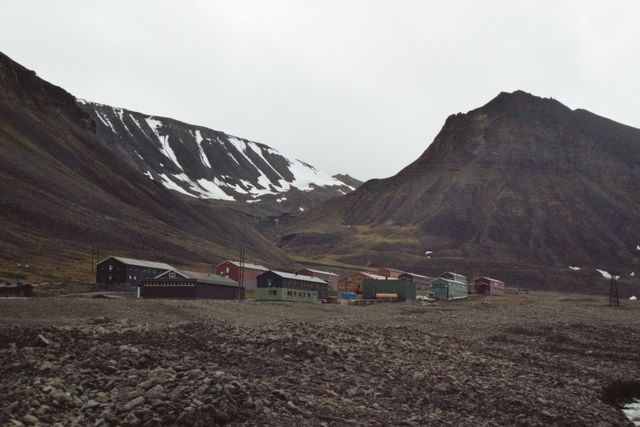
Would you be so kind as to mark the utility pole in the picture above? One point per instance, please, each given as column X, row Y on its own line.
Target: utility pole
column 614, row 300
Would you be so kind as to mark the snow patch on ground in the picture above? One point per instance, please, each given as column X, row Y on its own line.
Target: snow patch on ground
column 281, row 199
column 574, row 268
column 632, row 274
column 148, row 173
column 632, row 411
column 301, row 209
column 605, row 274
column 165, row 147
column 138, row 154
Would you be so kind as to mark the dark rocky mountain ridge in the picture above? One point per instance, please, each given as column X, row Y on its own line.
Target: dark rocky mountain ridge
column 64, row 189
column 523, row 183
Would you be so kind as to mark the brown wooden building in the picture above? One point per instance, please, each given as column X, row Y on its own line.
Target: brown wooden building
column 16, row 290
column 488, row 286
column 421, row 282
column 117, row 273
column 353, row 283
column 176, row 284
column 330, row 278
column 232, row 269
column 389, row 273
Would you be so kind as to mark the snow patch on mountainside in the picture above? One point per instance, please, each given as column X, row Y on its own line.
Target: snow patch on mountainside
column 165, row 147
column 251, row 171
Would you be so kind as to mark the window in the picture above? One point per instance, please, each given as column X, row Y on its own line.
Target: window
column 273, row 292
column 269, row 282
column 172, row 274
column 289, row 293
column 110, row 268
column 227, row 269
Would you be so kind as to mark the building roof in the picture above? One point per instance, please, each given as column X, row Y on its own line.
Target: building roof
column 327, row 273
column 300, row 277
column 139, row 262
column 444, row 279
column 372, row 276
column 489, row 278
column 246, row 265
column 211, row 279
column 416, row 275
column 13, row 285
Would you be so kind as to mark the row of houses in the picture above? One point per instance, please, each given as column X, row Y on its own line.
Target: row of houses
column 449, row 286
column 232, row 279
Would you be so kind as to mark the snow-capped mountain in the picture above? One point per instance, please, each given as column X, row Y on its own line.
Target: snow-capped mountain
column 204, row 163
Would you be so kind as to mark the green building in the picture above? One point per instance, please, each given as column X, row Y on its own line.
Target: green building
column 405, row 289
column 450, row 286
column 285, row 294
column 283, row 286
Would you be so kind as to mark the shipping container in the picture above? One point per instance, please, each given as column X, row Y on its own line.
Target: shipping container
column 405, row 289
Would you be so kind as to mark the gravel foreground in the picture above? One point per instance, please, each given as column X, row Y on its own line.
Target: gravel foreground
column 535, row 359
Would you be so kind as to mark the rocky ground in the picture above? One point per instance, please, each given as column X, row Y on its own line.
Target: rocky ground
column 527, row 359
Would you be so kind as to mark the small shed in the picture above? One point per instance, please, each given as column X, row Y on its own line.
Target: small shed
column 488, row 286
column 16, row 290
column 450, row 286
column 207, row 286
column 404, row 289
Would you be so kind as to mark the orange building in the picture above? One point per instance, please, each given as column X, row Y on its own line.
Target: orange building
column 353, row 283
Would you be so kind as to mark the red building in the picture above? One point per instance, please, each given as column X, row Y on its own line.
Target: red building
column 330, row 278
column 231, row 269
column 421, row 282
column 389, row 273
column 353, row 283
column 488, row 286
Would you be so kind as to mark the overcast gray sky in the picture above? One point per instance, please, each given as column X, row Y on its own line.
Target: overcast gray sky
column 358, row 87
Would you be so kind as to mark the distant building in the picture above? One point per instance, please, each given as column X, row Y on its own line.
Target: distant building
column 123, row 274
column 450, row 286
column 175, row 284
column 488, row 286
column 16, row 290
column 402, row 289
column 282, row 286
column 389, row 273
column 330, row 278
column 421, row 282
column 353, row 283
column 232, row 270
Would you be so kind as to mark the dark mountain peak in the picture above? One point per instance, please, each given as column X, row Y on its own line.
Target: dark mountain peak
column 21, row 86
column 521, row 101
